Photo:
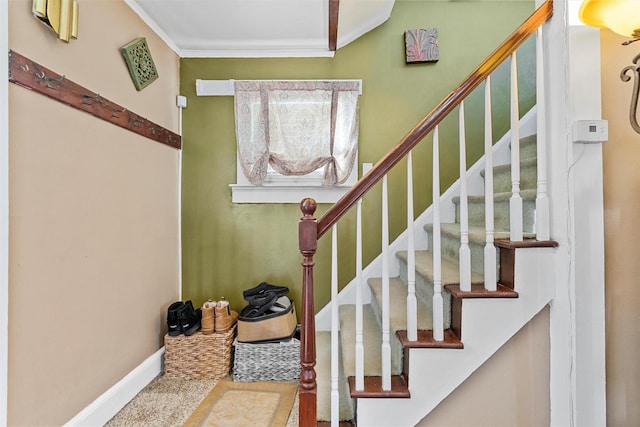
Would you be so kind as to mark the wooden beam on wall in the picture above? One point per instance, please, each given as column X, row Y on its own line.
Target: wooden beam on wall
column 334, row 7
column 33, row 76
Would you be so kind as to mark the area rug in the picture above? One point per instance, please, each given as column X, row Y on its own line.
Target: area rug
column 256, row 404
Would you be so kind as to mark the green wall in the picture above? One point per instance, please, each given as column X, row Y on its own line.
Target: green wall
column 231, row 247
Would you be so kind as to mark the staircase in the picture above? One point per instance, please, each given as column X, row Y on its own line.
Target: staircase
column 398, row 286
column 437, row 309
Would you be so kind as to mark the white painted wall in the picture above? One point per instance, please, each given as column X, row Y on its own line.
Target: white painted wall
column 558, row 139
column 577, row 384
column 587, row 211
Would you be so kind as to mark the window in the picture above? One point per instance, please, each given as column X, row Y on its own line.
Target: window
column 295, row 139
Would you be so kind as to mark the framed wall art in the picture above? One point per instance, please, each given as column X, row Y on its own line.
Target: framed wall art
column 141, row 66
column 421, row 45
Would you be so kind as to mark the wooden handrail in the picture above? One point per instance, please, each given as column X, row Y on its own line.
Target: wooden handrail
column 406, row 144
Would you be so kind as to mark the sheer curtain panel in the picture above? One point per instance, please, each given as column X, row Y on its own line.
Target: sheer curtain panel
column 297, row 127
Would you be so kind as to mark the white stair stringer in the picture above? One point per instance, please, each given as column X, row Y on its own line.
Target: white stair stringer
column 487, row 324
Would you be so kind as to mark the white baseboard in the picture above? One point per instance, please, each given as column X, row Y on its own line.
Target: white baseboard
column 113, row 400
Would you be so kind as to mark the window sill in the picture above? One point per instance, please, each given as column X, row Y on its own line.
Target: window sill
column 285, row 194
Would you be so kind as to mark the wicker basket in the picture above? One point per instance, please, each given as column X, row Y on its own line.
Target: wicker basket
column 198, row 355
column 279, row 361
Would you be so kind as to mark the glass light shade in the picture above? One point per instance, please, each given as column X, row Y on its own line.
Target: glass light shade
column 620, row 16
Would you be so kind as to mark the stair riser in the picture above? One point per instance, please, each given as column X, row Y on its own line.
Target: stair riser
column 501, row 214
column 424, row 294
column 450, row 246
column 528, row 148
column 502, row 178
column 396, row 346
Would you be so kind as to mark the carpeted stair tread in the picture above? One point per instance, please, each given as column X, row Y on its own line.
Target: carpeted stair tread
column 502, row 176
column 477, row 235
column 450, row 271
column 323, row 381
column 372, row 338
column 526, row 194
column 398, row 304
column 531, row 161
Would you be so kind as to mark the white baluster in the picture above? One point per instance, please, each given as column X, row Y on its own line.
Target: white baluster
column 412, row 304
column 359, row 290
column 335, row 327
column 386, row 345
column 438, row 310
column 542, row 199
column 515, row 203
column 490, row 280
column 464, row 254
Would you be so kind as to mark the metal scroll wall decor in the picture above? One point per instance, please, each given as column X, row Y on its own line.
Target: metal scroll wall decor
column 625, row 77
column 35, row 77
column 59, row 15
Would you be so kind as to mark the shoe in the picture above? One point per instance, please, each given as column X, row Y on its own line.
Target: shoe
column 208, row 320
column 265, row 287
column 173, row 322
column 189, row 318
column 225, row 318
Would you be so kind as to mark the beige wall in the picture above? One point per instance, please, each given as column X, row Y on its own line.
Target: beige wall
column 93, row 216
column 621, row 157
column 509, row 389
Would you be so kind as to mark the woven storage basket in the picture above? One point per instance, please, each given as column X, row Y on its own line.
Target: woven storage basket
column 279, row 361
column 198, row 355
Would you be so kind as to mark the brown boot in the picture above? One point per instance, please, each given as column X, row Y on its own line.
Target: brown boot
column 208, row 320
column 225, row 317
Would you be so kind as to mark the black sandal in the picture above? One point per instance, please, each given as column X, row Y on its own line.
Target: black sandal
column 263, row 288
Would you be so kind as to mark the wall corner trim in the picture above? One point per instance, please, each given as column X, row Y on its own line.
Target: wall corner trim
column 113, row 400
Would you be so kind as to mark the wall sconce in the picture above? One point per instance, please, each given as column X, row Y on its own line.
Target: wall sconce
column 59, row 15
column 622, row 17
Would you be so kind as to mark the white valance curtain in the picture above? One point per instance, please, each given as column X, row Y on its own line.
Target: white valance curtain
column 297, row 127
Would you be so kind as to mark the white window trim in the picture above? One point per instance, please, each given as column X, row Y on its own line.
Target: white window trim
column 278, row 188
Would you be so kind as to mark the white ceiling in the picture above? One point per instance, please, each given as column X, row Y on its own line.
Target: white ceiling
column 257, row 28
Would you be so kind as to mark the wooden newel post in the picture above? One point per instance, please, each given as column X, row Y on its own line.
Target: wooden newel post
column 308, row 243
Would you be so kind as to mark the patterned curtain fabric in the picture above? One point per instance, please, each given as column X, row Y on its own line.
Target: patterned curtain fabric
column 297, row 127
